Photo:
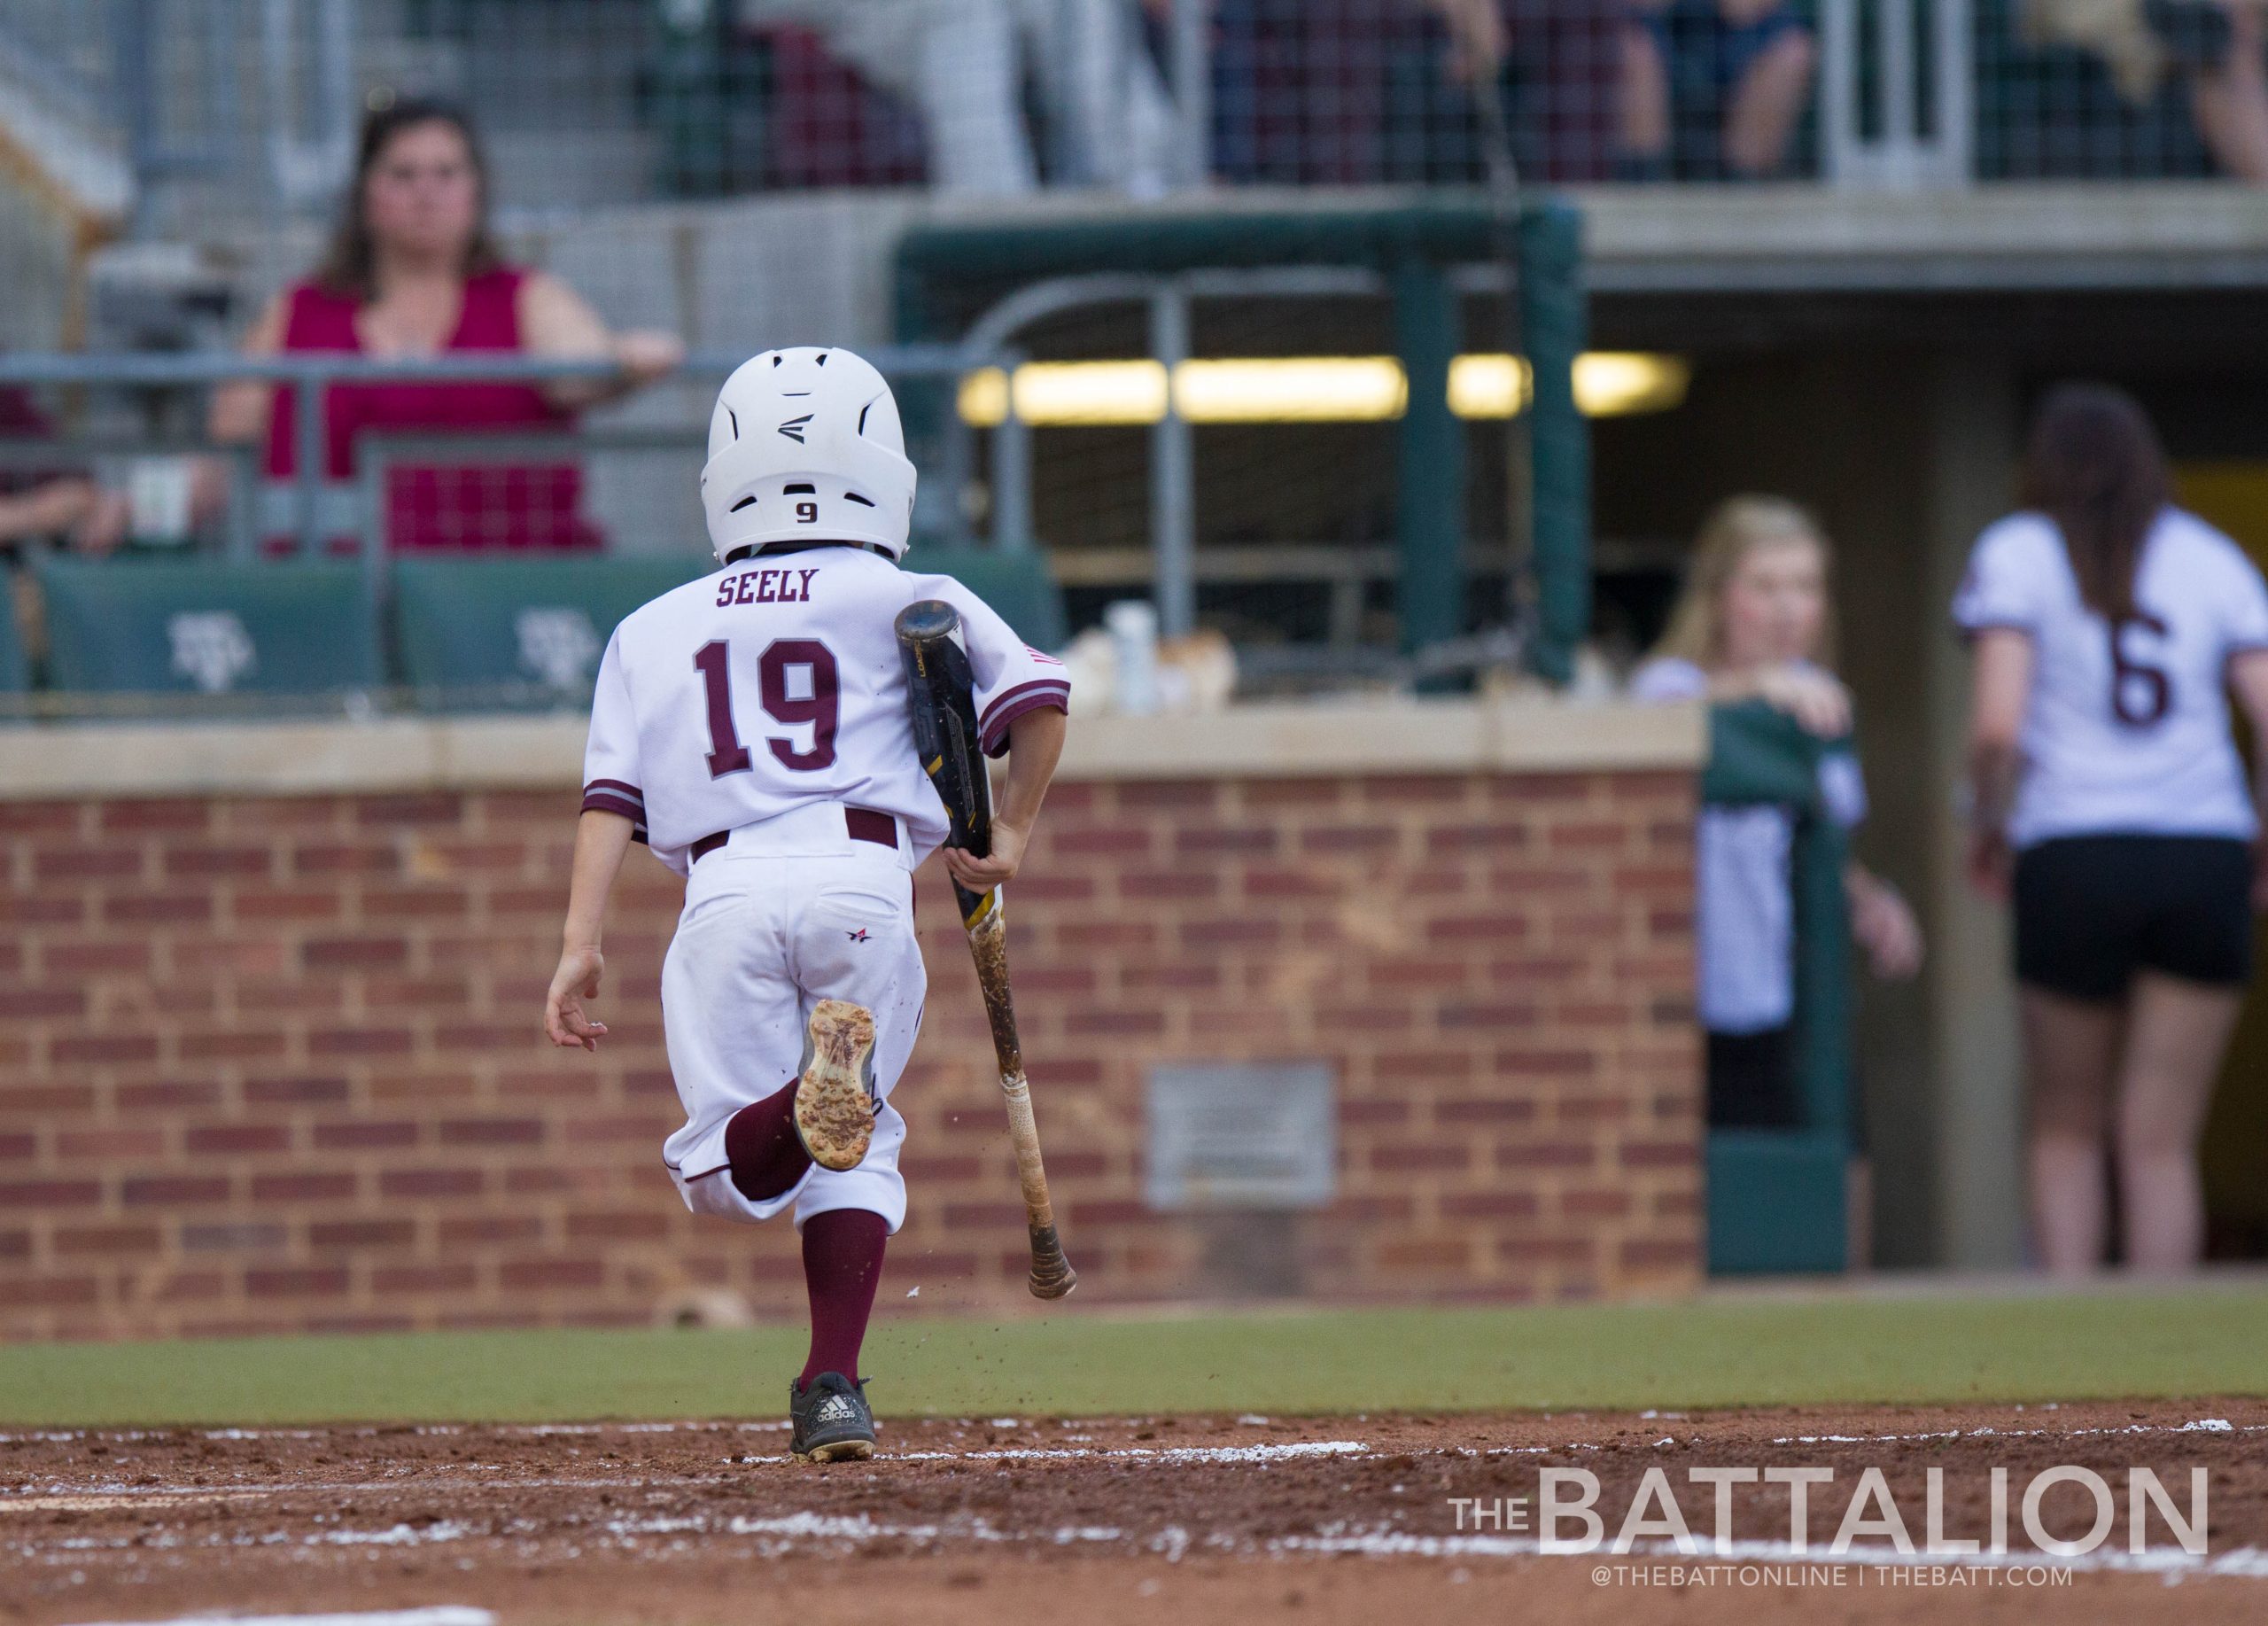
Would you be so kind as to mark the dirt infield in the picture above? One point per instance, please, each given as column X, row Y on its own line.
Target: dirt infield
column 1201, row 1518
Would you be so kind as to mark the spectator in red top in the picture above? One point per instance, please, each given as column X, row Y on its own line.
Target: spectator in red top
column 412, row 272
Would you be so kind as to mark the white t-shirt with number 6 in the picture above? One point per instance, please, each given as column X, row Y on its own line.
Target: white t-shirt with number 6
column 776, row 681
column 2126, row 729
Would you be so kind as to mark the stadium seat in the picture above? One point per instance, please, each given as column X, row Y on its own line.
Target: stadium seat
column 202, row 626
column 1017, row 584
column 472, row 632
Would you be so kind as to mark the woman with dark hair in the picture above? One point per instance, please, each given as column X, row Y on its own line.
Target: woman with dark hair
column 413, row 272
column 2108, row 626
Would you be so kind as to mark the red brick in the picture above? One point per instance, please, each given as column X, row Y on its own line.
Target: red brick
column 260, row 904
column 362, row 1233
column 204, row 862
column 107, row 1240
column 1123, row 840
column 38, row 818
column 95, row 1050
column 422, row 1278
column 169, row 1095
column 175, row 814
column 36, row 1001
column 173, row 1191
column 318, row 1282
column 53, row 863
column 360, row 1041
column 1659, row 1153
column 1166, row 794
column 1212, row 840
column 302, row 1187
column 405, row 1183
column 31, row 909
column 428, row 807
column 363, row 1135
column 159, row 909
column 492, row 1132
column 1370, row 839
column 1410, row 1157
column 49, row 1193
column 1492, row 1205
column 540, row 1273
column 325, row 858
column 22, row 1292
column 254, row 1237
column 238, row 1045
column 296, row 1092
column 224, row 1138
column 354, row 954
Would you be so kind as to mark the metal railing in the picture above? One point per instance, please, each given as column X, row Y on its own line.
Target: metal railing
column 315, row 509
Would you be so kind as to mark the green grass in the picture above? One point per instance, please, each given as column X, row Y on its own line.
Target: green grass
column 1713, row 1352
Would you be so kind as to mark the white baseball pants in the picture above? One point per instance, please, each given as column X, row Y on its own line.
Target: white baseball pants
column 775, row 921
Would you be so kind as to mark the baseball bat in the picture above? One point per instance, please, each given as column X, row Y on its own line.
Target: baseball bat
column 940, row 693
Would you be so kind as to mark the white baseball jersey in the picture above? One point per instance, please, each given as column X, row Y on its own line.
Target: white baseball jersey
column 775, row 683
column 2126, row 730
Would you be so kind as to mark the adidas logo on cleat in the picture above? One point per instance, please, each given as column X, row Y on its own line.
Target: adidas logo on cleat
column 834, row 1409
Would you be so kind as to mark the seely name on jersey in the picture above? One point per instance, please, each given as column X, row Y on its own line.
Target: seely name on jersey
column 771, row 586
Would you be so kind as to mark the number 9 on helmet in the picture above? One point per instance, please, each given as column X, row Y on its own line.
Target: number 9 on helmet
column 805, row 446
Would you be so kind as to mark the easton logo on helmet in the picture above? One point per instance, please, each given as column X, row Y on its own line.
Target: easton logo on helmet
column 794, row 428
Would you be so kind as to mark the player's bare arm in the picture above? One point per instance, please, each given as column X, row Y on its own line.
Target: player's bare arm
column 1034, row 746
column 2248, row 678
column 602, row 839
column 2001, row 681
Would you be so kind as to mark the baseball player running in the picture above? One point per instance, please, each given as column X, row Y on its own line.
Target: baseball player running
column 751, row 728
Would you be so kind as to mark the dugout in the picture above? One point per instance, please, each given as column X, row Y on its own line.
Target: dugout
column 1890, row 397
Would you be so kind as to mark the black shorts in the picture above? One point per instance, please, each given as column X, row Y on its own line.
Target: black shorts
column 1753, row 1082
column 2093, row 910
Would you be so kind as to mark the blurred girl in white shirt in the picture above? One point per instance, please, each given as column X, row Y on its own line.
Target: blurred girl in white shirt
column 2108, row 626
column 1754, row 624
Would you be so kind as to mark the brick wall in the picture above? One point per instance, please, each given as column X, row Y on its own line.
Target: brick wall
column 272, row 1063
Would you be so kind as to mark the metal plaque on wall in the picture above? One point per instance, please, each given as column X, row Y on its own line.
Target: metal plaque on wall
column 1241, row 1134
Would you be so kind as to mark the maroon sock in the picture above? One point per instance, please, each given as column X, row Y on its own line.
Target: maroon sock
column 766, row 1156
column 842, row 1265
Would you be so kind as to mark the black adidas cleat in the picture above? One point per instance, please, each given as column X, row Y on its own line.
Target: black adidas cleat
column 829, row 1419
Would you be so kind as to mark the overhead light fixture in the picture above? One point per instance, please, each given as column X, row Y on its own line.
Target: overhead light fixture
column 1341, row 389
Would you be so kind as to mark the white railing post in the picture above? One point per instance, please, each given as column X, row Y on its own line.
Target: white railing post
column 1885, row 141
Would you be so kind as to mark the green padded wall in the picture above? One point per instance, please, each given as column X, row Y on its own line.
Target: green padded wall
column 1016, row 584
column 200, row 625
column 482, row 630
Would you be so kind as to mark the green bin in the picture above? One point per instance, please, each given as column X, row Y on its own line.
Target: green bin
column 15, row 671
column 1777, row 1198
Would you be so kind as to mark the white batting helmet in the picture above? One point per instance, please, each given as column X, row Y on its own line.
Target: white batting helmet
column 806, row 444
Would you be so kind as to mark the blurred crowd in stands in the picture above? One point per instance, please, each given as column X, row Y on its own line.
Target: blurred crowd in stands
column 998, row 96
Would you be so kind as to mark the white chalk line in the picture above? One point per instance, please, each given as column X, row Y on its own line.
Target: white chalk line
column 2208, row 1425
column 780, row 1533
column 95, row 1497
column 443, row 1614
column 56, row 1496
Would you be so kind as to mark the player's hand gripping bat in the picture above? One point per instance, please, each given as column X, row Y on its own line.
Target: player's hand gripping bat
column 940, row 691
